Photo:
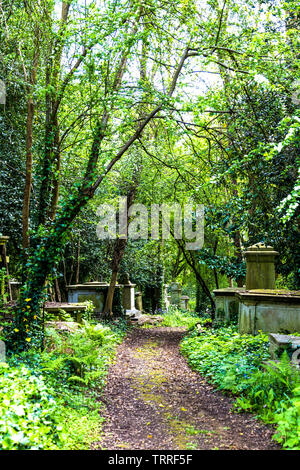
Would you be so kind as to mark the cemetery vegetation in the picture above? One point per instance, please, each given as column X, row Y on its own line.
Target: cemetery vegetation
column 50, row 399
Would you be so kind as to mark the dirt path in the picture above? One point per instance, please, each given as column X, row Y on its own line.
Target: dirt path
column 155, row 401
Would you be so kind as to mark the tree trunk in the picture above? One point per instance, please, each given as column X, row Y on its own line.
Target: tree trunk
column 57, row 290
column 191, row 262
column 118, row 253
column 56, row 177
column 3, row 260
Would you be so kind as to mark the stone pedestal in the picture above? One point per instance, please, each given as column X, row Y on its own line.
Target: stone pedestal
column 166, row 299
column 260, row 261
column 259, row 306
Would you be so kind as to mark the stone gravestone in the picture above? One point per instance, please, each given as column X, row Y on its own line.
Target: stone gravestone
column 2, row 351
column 175, row 294
column 139, row 301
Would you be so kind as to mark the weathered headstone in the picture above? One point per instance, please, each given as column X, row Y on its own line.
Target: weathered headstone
column 166, row 297
column 2, row 351
column 15, row 288
column 260, row 261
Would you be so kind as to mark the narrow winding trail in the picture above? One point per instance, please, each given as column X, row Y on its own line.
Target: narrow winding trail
column 155, row 401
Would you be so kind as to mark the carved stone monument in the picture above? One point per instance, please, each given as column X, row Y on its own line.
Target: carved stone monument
column 2, row 351
column 128, row 297
column 260, row 260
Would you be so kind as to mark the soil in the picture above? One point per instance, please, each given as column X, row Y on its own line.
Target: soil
column 155, row 401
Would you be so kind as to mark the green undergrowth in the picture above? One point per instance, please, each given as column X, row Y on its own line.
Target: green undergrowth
column 50, row 399
column 176, row 318
column 241, row 365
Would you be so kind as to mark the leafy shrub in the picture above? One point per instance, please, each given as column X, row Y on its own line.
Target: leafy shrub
column 27, row 411
column 82, row 356
column 238, row 363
